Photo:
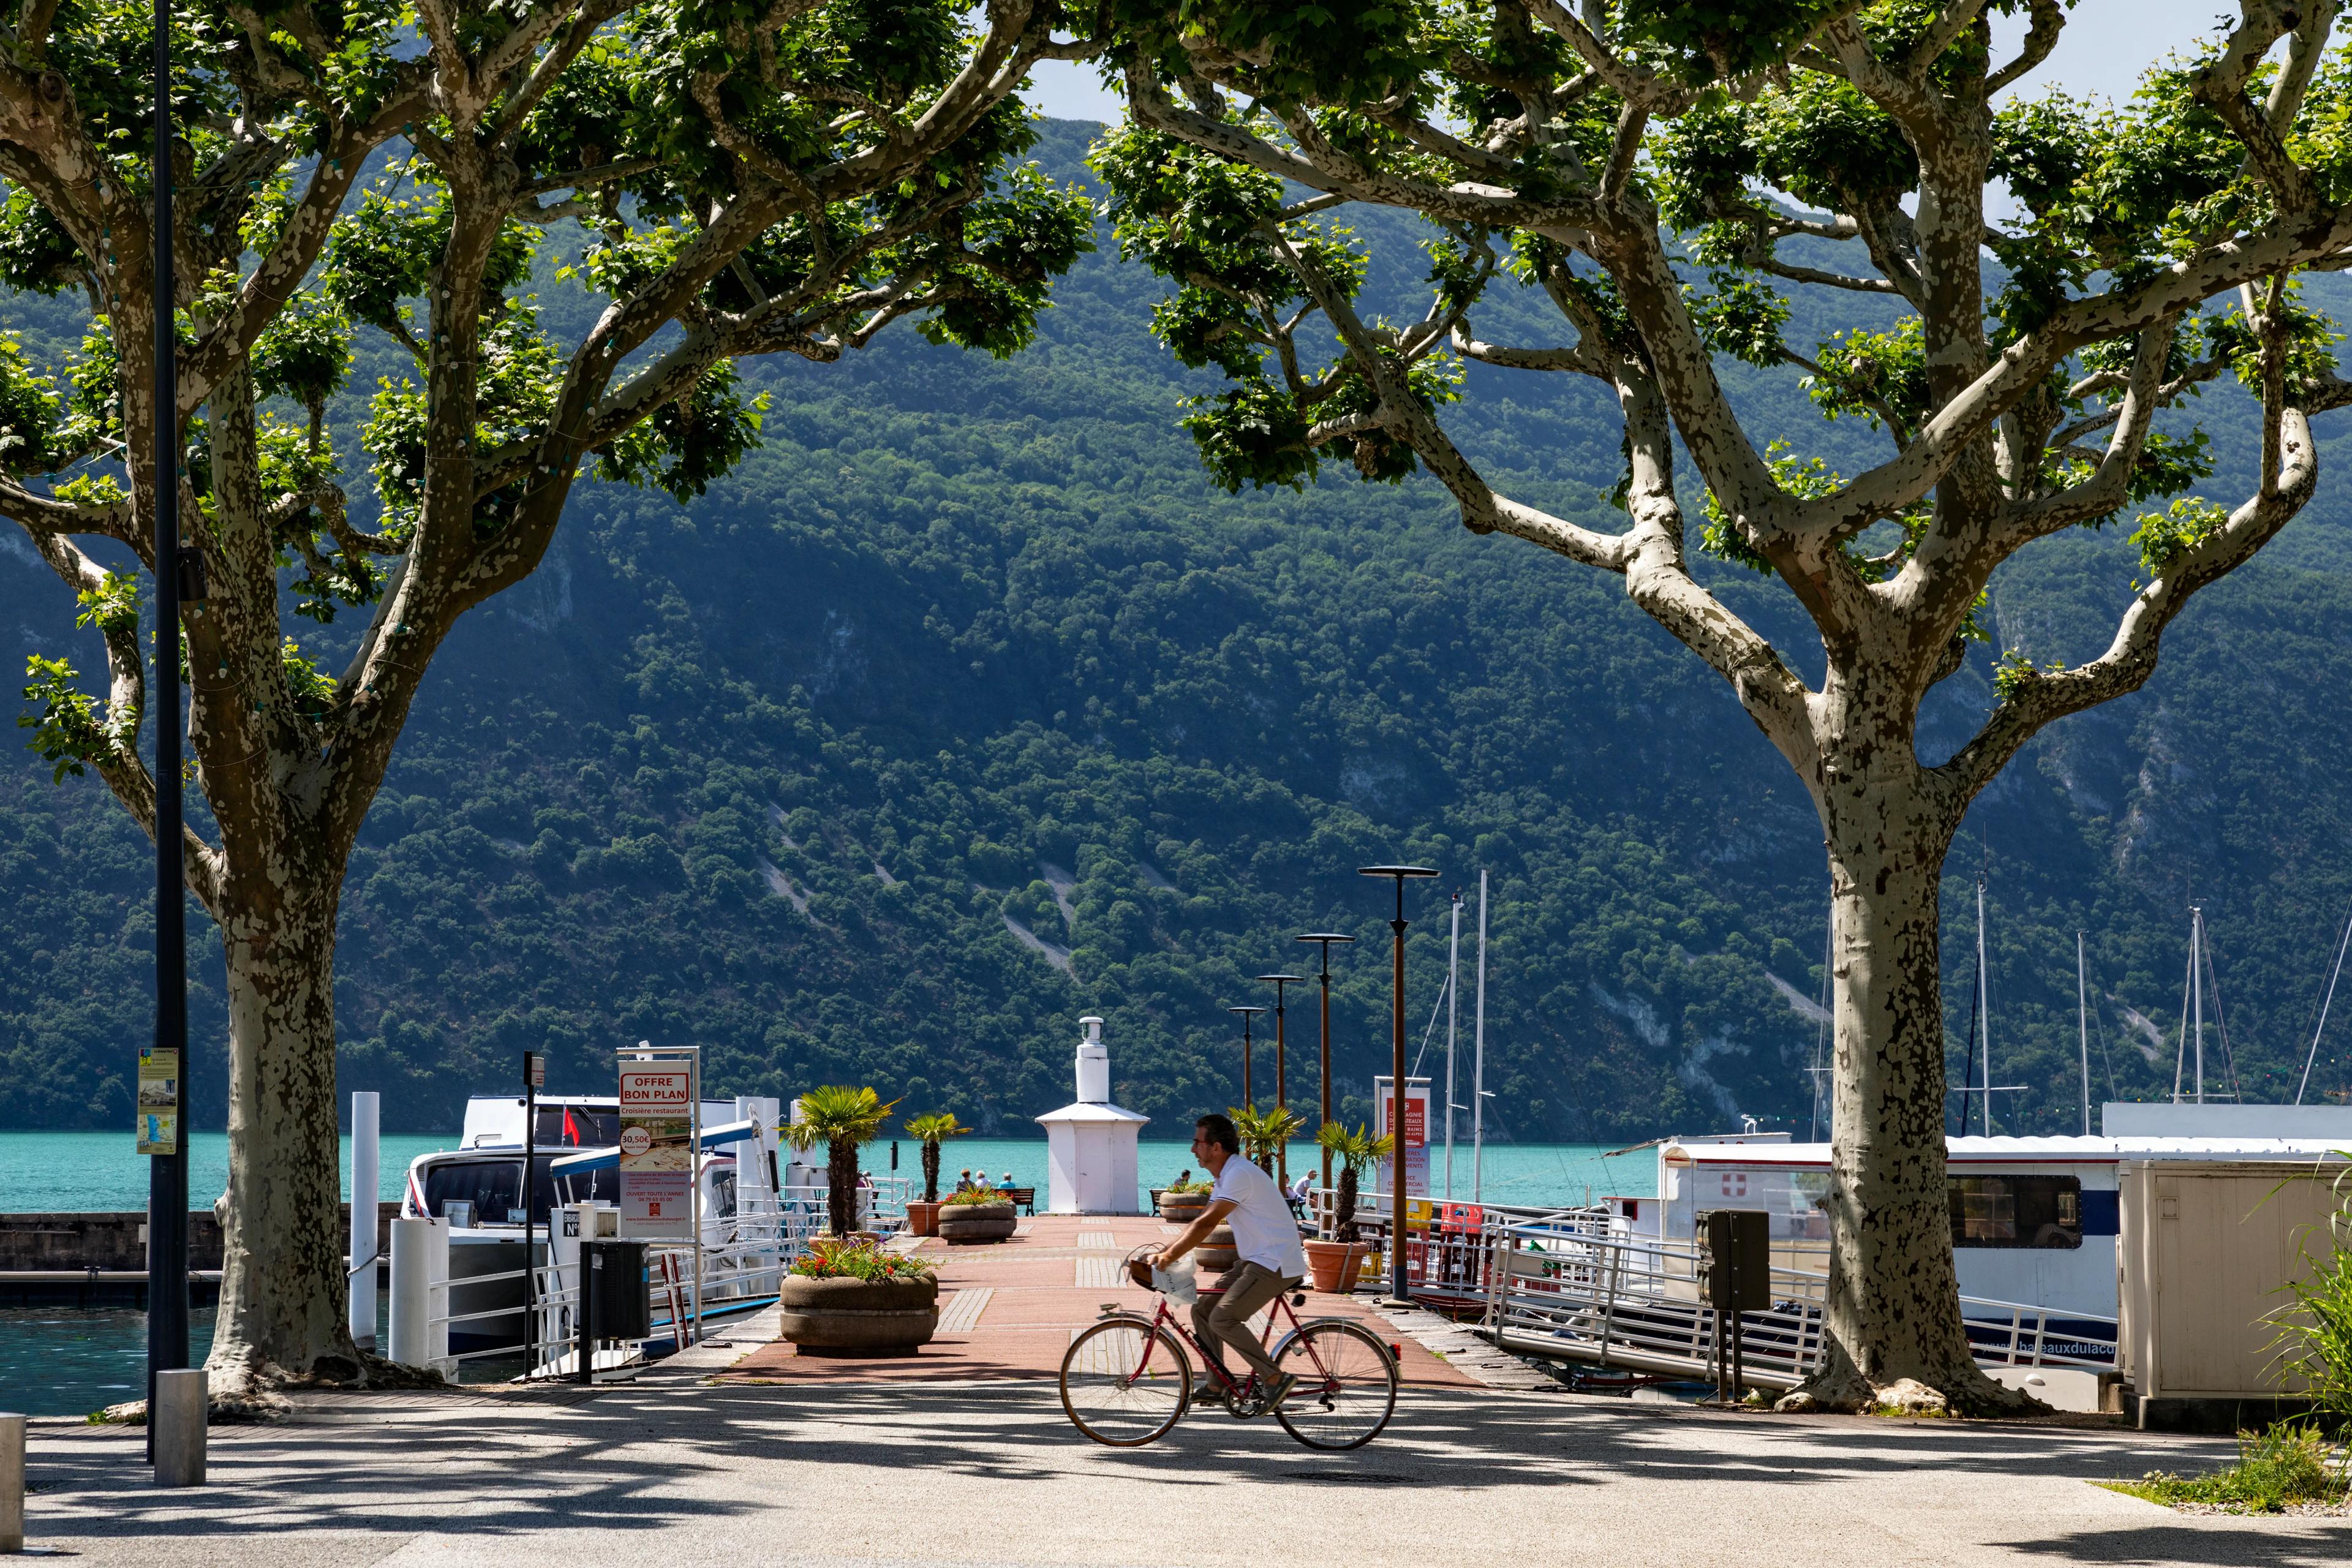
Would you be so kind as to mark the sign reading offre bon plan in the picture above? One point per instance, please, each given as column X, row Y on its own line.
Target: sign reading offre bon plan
column 657, row 1150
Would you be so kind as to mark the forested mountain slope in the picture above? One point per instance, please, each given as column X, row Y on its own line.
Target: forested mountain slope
column 968, row 706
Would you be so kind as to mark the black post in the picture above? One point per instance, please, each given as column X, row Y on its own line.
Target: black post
column 1396, row 1077
column 1323, row 1076
column 1246, row 1015
column 167, row 1174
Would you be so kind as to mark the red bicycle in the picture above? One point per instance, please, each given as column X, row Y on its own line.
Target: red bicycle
column 1127, row 1380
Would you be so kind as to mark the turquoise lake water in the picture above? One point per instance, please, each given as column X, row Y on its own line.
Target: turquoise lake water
column 82, row 1172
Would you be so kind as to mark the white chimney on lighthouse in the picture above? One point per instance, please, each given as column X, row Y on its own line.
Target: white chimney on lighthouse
column 1094, row 1065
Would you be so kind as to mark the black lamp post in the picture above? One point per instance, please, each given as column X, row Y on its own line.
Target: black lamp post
column 1396, row 1079
column 1323, row 1080
column 1248, row 1014
column 1281, row 1067
column 167, row 1174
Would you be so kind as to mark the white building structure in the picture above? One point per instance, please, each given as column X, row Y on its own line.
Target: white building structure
column 1090, row 1142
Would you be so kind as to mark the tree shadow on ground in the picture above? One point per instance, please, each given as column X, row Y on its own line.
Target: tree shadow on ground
column 662, row 1453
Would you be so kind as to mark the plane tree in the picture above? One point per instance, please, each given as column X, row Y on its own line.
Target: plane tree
column 729, row 179
column 2057, row 280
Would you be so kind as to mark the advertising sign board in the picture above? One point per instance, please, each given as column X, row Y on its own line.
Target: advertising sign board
column 658, row 1152
column 1416, row 1142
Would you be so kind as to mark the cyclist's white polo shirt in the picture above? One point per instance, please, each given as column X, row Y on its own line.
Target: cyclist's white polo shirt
column 1263, row 1231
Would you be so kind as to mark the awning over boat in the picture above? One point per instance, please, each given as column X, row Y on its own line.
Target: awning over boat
column 609, row 1158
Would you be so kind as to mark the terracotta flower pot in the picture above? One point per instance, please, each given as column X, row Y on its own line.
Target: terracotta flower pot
column 922, row 1218
column 1216, row 1255
column 961, row 1225
column 1182, row 1208
column 1335, row 1264
column 855, row 1316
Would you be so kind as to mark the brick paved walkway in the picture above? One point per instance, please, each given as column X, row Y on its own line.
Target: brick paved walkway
column 1009, row 1310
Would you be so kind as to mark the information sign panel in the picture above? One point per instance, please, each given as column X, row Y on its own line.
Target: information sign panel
column 159, row 1102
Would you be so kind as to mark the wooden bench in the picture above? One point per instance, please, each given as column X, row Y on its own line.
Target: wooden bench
column 1024, row 1198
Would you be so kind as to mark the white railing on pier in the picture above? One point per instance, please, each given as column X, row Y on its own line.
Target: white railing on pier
column 1582, row 1284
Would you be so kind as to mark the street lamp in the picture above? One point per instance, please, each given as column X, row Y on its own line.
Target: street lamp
column 1248, row 1014
column 167, row 1172
column 1396, row 1079
column 1281, row 1067
column 1323, row 1081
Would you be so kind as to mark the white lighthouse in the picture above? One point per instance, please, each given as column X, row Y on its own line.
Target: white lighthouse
column 1090, row 1142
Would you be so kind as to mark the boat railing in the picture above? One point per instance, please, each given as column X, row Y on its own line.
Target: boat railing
column 1582, row 1284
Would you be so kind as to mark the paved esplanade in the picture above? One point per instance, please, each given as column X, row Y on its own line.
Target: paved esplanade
column 681, row 1468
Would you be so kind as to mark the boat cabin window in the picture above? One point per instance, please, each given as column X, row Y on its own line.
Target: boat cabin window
column 494, row 1188
column 722, row 1196
column 571, row 1127
column 2016, row 1211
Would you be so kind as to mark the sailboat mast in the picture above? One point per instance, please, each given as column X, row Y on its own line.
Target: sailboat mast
column 2197, row 990
column 2324, row 1005
column 1452, row 996
column 1478, row 1061
column 2083, row 1017
column 1984, row 1007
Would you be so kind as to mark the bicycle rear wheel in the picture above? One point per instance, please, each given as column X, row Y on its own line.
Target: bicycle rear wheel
column 1124, row 1381
column 1347, row 1385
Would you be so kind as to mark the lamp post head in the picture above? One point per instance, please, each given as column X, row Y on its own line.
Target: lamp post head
column 1278, row 982
column 1400, row 873
column 1326, row 937
column 1247, row 1012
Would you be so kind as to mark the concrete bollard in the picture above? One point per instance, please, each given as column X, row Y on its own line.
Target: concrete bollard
column 176, row 1421
column 420, row 1292
column 12, row 1482
column 365, row 1120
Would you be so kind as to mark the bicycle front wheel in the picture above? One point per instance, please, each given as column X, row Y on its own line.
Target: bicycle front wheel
column 1347, row 1385
column 1124, row 1381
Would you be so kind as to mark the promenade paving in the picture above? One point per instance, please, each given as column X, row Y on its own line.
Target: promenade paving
column 734, row 1453
column 1010, row 1310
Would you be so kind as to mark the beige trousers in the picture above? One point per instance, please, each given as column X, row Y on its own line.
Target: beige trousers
column 1246, row 1287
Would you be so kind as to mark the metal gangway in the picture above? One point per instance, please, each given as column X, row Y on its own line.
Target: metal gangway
column 1582, row 1285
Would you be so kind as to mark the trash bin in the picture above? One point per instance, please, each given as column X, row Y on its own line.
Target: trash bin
column 613, row 1304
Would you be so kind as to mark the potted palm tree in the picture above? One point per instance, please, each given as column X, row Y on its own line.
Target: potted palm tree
column 844, row 1119
column 1265, row 1133
column 851, row 1297
column 1336, row 1263
column 979, row 1214
column 930, row 1130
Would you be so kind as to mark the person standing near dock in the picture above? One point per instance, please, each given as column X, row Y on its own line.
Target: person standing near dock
column 1267, row 1260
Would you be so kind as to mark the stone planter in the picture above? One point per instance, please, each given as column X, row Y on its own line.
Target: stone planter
column 857, row 1316
column 1335, row 1265
column 922, row 1218
column 961, row 1225
column 1182, row 1208
column 1216, row 1255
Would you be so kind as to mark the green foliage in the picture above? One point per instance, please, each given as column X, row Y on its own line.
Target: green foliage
column 830, row 1257
column 690, row 441
column 28, row 412
column 836, row 1113
column 981, row 1193
column 2164, row 537
column 1359, row 1150
column 1184, row 1186
column 1263, row 1132
column 68, row 729
column 2314, row 1342
column 2277, row 1468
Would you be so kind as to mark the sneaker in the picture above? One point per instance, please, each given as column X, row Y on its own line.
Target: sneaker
column 1208, row 1390
column 1279, row 1392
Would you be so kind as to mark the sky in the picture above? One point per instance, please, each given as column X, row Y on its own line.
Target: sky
column 2104, row 47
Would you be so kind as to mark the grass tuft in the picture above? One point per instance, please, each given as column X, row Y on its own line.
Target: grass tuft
column 2277, row 1470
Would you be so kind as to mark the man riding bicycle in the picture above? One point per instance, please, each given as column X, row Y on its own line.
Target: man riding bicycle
column 1268, row 1259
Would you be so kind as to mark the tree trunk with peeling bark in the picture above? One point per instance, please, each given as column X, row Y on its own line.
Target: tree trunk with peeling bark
column 1645, row 168
column 739, row 213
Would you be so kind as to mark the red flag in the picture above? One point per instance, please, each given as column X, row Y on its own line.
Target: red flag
column 570, row 1129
